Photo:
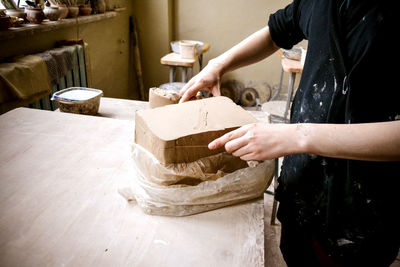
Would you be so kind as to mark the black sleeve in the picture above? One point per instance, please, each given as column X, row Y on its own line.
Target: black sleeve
column 284, row 26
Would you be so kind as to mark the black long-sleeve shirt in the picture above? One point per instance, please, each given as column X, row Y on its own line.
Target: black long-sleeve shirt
column 348, row 77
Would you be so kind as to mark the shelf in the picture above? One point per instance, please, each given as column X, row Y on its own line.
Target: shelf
column 46, row 26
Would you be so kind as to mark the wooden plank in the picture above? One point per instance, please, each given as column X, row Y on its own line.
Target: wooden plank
column 59, row 202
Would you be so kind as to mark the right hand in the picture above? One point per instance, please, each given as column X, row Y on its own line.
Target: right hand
column 208, row 79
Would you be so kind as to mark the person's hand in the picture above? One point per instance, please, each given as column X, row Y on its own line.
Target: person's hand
column 257, row 141
column 208, row 79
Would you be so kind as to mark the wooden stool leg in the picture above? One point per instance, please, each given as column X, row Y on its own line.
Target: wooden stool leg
column 280, row 86
column 171, row 74
column 183, row 74
column 290, row 93
column 189, row 73
column 201, row 62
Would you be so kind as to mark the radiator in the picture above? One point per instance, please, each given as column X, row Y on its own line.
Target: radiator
column 77, row 77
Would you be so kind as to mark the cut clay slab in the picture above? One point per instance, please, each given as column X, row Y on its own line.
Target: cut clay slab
column 181, row 133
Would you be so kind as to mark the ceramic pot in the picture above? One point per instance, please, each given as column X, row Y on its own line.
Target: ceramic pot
column 73, row 11
column 35, row 15
column 99, row 6
column 188, row 49
column 52, row 13
column 85, row 10
column 19, row 13
column 5, row 23
column 63, row 11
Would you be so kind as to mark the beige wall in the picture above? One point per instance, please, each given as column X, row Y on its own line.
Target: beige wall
column 112, row 67
column 225, row 23
column 154, row 30
column 221, row 23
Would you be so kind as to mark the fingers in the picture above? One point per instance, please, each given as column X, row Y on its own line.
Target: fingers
column 242, row 147
column 185, row 91
column 185, row 88
column 221, row 141
column 236, row 143
column 207, row 79
column 236, row 146
column 242, row 142
column 190, row 90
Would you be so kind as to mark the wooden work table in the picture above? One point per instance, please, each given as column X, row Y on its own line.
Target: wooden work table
column 59, row 203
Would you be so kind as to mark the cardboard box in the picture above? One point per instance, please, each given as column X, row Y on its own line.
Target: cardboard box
column 181, row 133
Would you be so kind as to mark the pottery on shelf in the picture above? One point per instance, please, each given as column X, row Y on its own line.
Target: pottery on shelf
column 19, row 13
column 85, row 10
column 35, row 15
column 99, row 6
column 73, row 11
column 63, row 11
column 52, row 13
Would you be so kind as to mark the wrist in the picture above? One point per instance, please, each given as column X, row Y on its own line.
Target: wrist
column 218, row 64
column 302, row 138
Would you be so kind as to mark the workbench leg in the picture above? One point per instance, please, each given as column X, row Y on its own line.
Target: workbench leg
column 171, row 74
column 290, row 93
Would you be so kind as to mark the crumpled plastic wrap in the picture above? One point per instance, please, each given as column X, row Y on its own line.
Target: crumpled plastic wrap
column 189, row 188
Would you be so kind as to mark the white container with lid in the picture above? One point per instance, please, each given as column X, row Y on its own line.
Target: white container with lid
column 80, row 100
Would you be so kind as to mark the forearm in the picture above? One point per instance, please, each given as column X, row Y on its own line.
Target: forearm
column 254, row 48
column 366, row 141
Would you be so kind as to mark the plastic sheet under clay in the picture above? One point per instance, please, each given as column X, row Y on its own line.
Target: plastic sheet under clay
column 189, row 188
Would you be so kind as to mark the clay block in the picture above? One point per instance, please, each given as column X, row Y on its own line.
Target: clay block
column 181, row 133
column 167, row 94
column 159, row 97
